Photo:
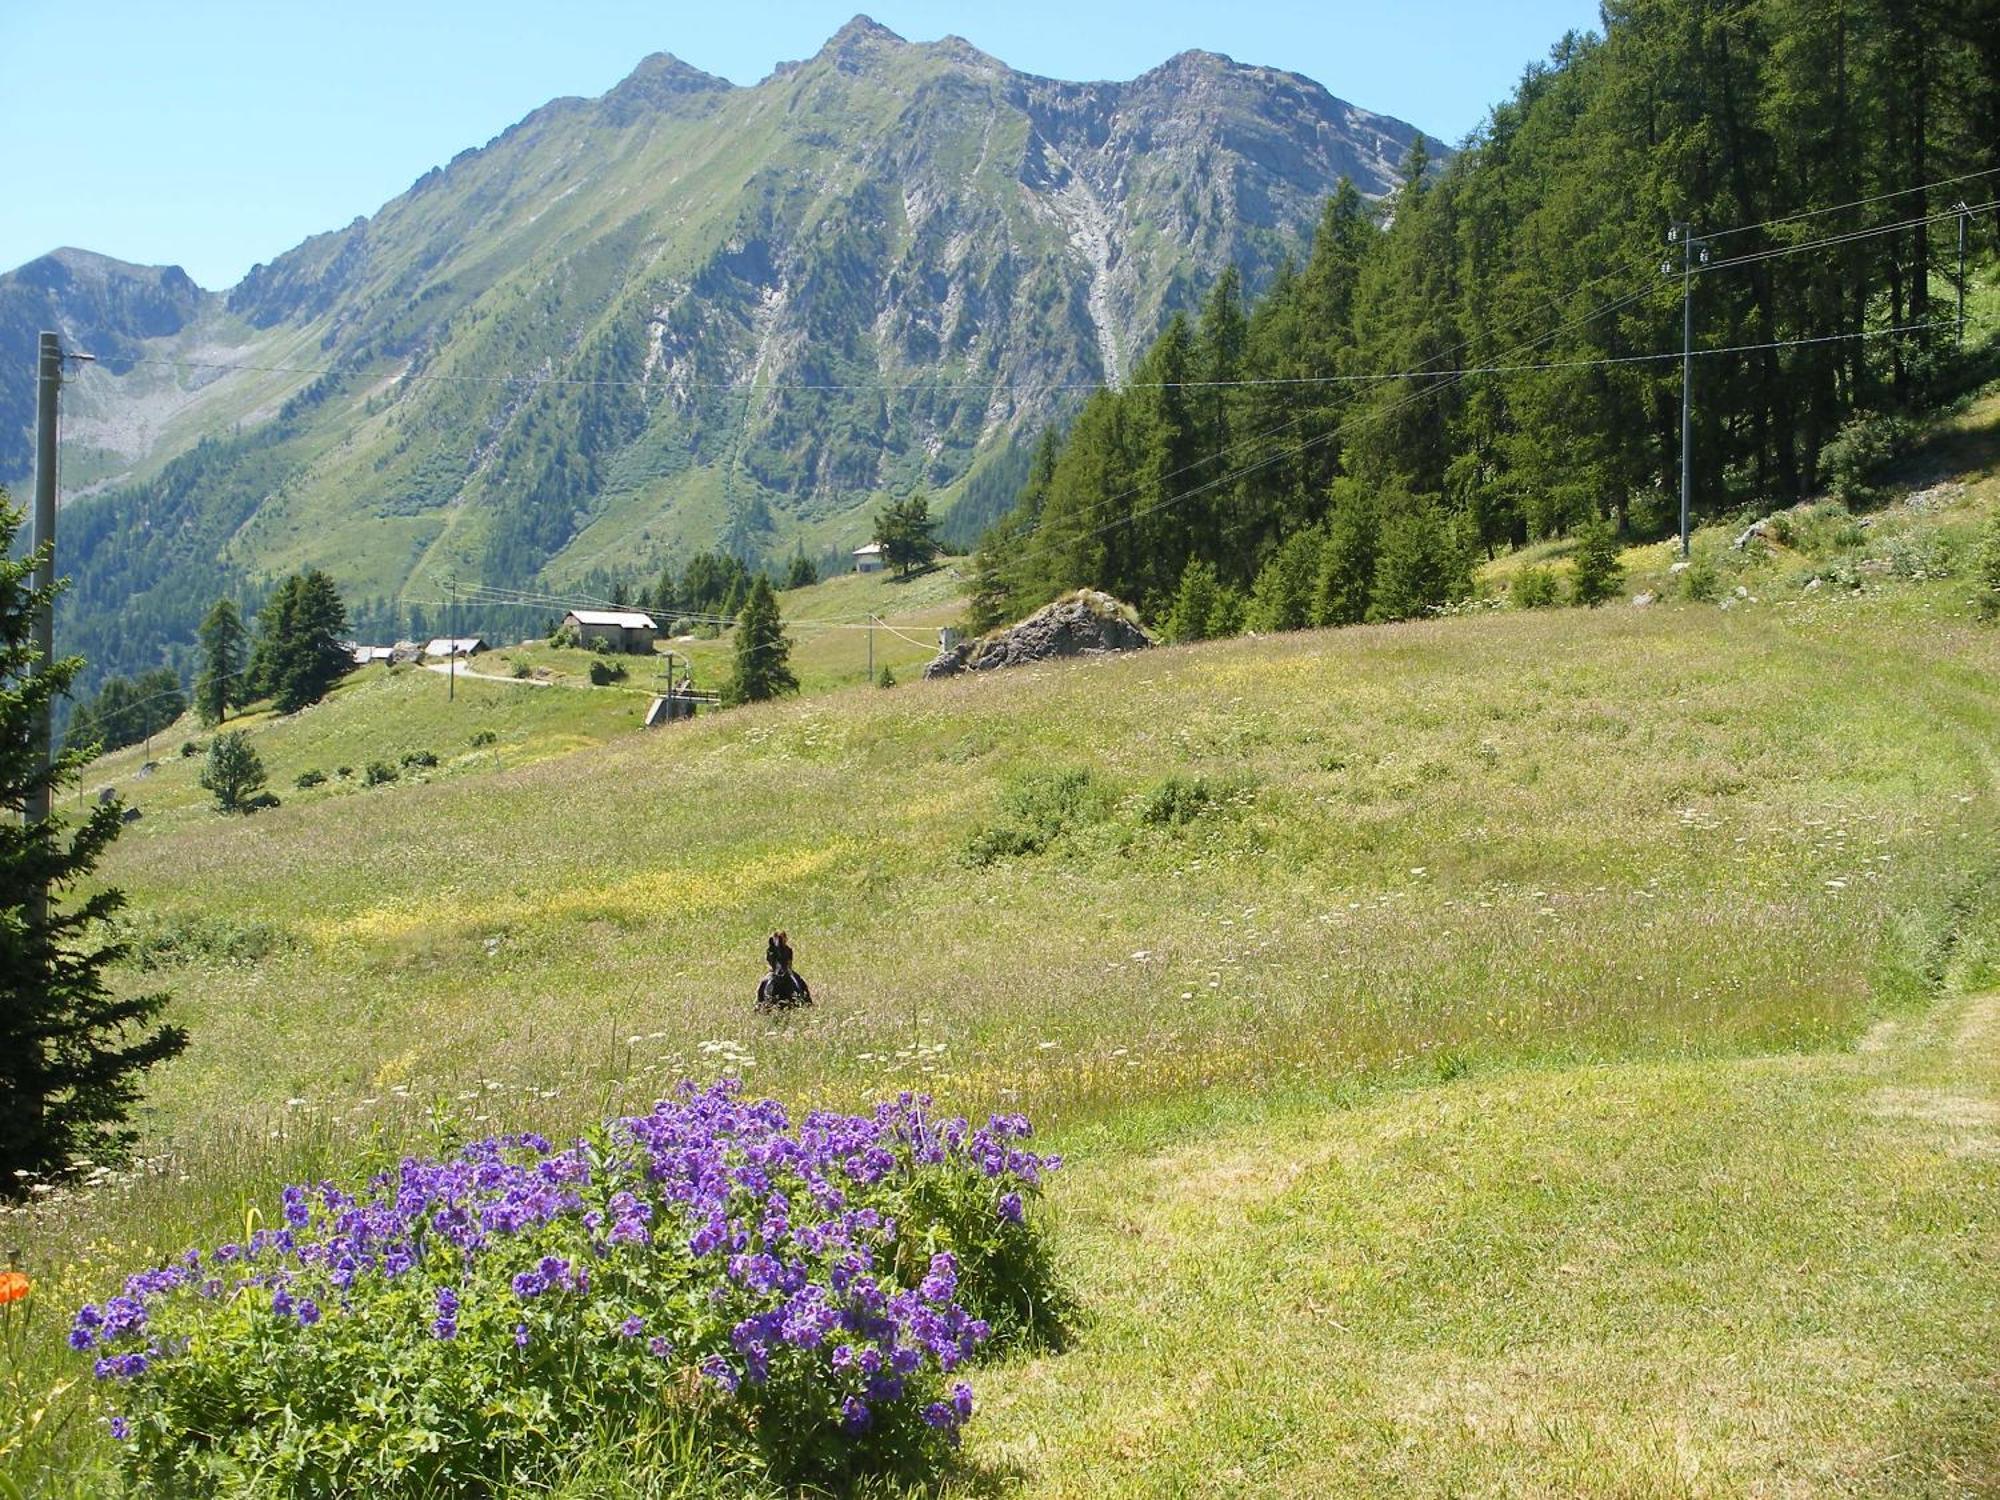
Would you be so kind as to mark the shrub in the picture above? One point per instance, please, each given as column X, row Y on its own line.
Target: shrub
column 795, row 1300
column 1178, row 801
column 522, row 669
column 604, row 673
column 343, row 772
column 1701, row 580
column 1860, row 450
column 482, row 738
column 1534, row 588
column 418, row 758
column 1987, row 601
column 190, row 749
column 1920, row 554
column 885, row 678
column 234, row 772
column 309, row 779
column 1599, row 575
column 1039, row 809
column 378, row 773
column 174, row 939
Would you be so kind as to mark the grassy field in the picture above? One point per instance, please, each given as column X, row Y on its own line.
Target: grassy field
column 1499, row 1055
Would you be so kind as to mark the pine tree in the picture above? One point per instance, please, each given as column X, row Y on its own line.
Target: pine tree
column 219, row 685
column 1347, row 561
column 1599, row 575
column 802, row 573
column 763, row 652
column 1286, row 586
column 234, row 773
column 1197, row 605
column 298, row 656
column 71, row 1055
column 907, row 531
column 1420, row 565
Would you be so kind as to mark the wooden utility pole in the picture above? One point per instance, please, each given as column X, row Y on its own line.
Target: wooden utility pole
column 48, row 382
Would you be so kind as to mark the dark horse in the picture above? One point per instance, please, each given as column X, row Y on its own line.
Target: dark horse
column 781, row 989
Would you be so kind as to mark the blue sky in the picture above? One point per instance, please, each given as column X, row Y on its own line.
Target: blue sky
column 216, row 133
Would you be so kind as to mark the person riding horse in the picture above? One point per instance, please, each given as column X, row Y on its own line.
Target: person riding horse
column 781, row 989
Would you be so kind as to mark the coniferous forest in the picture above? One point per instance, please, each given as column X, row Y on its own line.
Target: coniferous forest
column 1477, row 361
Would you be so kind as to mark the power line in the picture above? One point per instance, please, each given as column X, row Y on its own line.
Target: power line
column 1814, row 213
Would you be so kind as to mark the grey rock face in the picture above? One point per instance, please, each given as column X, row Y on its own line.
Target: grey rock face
column 1082, row 624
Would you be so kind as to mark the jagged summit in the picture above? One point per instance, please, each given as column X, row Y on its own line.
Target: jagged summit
column 662, row 82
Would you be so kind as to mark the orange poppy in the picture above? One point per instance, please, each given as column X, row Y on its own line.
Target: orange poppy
column 13, row 1286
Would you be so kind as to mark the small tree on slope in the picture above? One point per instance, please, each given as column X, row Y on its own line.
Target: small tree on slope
column 71, row 1055
column 763, row 669
column 1599, row 575
column 220, row 684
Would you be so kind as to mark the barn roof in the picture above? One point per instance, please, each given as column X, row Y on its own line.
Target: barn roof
column 623, row 619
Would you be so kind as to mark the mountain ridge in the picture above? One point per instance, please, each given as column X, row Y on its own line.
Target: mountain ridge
column 688, row 312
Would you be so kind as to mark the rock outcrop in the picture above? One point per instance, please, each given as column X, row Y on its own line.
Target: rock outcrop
column 1086, row 623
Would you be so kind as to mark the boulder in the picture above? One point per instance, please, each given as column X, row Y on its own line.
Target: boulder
column 1086, row 623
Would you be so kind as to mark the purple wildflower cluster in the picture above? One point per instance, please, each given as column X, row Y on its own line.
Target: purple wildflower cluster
column 791, row 1236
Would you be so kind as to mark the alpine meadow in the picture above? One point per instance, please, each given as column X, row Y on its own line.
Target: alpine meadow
column 915, row 781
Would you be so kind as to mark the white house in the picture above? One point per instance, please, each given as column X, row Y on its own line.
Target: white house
column 619, row 629
column 870, row 559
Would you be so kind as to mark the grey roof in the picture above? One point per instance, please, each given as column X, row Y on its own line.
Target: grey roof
column 623, row 619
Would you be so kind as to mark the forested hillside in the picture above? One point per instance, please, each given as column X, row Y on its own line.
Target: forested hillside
column 682, row 315
column 1344, row 448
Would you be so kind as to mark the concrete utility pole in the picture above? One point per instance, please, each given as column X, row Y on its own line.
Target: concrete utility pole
column 1691, row 250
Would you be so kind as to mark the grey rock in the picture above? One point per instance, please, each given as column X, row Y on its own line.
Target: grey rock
column 1086, row 623
column 1640, row 601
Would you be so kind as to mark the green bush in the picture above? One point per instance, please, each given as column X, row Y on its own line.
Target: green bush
column 1599, row 575
column 190, row 749
column 234, row 773
column 1852, row 462
column 379, row 773
column 1180, row 800
column 1919, row 554
column 175, row 939
column 1534, row 588
column 309, row 779
column 482, row 738
column 885, row 678
column 604, row 673
column 418, row 758
column 1039, row 809
column 1701, row 580
column 343, row 772
column 1987, row 601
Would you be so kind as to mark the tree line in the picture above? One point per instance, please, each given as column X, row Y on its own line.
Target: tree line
column 1259, row 463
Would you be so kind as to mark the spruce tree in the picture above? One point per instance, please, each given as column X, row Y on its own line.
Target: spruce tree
column 234, row 773
column 71, row 1055
column 219, row 685
column 802, row 573
column 763, row 652
column 298, row 656
column 1599, row 575
column 1197, row 603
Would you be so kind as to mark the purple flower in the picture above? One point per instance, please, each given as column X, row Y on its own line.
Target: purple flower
column 308, row 1313
column 633, row 1326
column 855, row 1416
column 1010, row 1208
column 961, row 1399
column 444, row 1327
column 121, row 1430
column 520, row 1335
column 658, row 1347
column 529, row 1284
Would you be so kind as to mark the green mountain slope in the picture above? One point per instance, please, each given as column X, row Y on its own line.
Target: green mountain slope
column 685, row 311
